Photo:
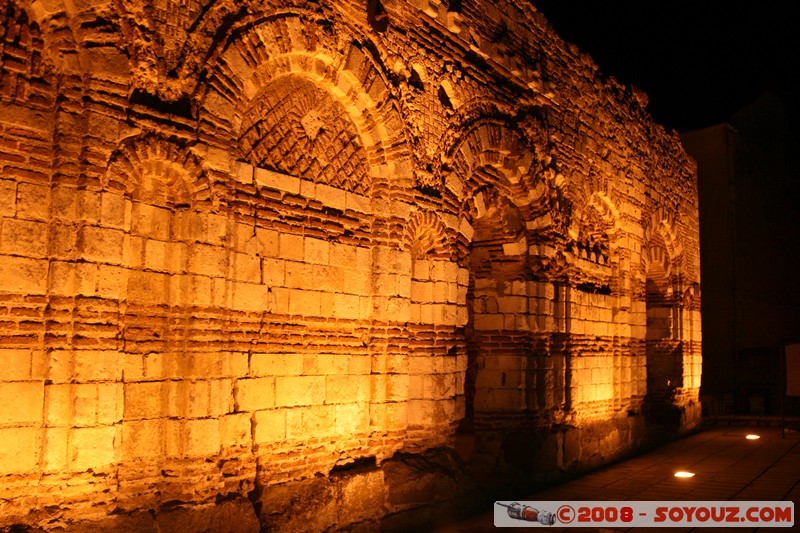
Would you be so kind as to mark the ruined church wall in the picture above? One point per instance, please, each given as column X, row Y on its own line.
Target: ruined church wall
column 243, row 247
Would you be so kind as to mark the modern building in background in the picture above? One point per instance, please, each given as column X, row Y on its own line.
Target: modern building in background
column 749, row 185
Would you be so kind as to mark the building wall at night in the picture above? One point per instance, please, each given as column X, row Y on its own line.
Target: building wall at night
column 252, row 251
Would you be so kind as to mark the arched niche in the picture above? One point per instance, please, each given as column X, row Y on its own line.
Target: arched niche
column 497, row 327
column 295, row 127
column 292, row 96
column 662, row 335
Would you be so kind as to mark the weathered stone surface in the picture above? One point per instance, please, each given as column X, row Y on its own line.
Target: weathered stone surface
column 266, row 241
column 352, row 500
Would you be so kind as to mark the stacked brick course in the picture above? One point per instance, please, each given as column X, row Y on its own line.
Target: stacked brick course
column 244, row 244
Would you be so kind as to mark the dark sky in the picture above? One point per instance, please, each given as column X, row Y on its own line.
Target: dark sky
column 699, row 61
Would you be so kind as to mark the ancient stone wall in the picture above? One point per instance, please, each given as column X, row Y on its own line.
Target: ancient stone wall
column 266, row 249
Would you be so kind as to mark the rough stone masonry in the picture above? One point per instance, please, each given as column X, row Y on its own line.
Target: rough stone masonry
column 308, row 265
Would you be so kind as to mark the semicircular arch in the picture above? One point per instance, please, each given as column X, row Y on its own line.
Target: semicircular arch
column 344, row 80
column 156, row 171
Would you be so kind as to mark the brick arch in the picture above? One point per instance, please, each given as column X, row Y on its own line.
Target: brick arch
column 593, row 231
column 295, row 127
column 504, row 151
column 157, row 172
column 293, row 48
column 22, row 50
column 426, row 237
column 489, row 206
column 663, row 250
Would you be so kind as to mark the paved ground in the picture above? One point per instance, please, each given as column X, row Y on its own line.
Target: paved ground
column 726, row 467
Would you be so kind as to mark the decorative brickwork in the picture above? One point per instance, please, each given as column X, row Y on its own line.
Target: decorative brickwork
column 252, row 252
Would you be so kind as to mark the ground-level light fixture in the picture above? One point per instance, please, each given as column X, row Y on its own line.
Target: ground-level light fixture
column 753, row 437
column 683, row 473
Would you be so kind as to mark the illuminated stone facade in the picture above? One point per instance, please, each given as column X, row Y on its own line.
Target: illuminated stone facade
column 252, row 251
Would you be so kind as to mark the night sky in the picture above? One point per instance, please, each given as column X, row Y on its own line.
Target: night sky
column 699, row 61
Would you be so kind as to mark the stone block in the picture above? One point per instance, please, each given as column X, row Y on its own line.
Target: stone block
column 33, row 201
column 488, row 322
column 216, row 229
column 398, row 309
column 8, row 197
column 299, row 390
column 358, row 202
column 220, row 397
column 421, row 270
column 202, row 438
column 23, row 275
column 243, row 173
column 302, row 302
column 196, row 396
column 276, row 180
column 110, row 403
column 352, row 418
column 54, row 449
column 84, row 405
column 415, row 313
column 291, row 247
column 58, row 404
column 396, row 387
column 341, row 389
column 103, row 245
column 250, row 296
column 359, row 364
column 195, row 365
column 346, row 306
column 247, row 267
column 24, row 237
column 145, row 399
column 92, row 447
column 235, row 430
column 357, row 282
column 270, row 426
column 20, row 449
column 342, row 255
column 331, row 196
column 314, row 421
column 148, row 288
column 512, row 304
column 15, row 364
column 22, row 402
column 317, row 251
column 276, row 364
column 208, row 260
column 274, row 272
column 397, row 416
column 318, row 277
column 235, row 364
column 326, row 364
column 115, row 210
column 422, row 291
column 143, row 439
column 110, row 281
column 155, row 254
column 254, row 394
column 97, row 365
column 444, row 314
column 466, row 229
